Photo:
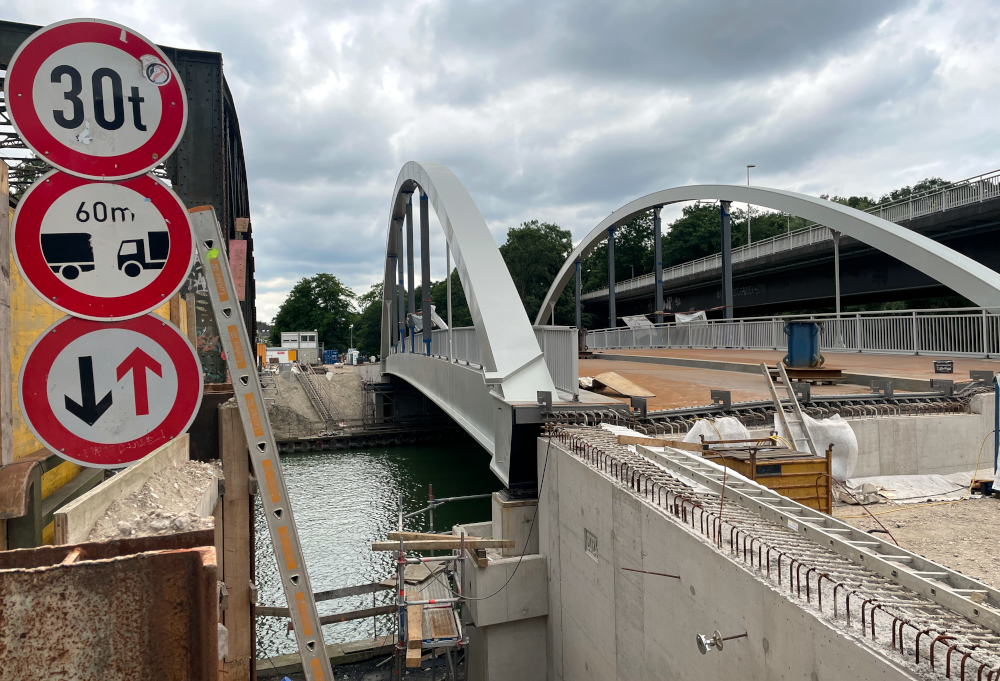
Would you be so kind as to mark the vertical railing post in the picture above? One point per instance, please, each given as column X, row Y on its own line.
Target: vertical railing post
column 916, row 349
column 401, row 307
column 451, row 337
column 612, row 316
column 986, row 334
column 727, row 260
column 425, row 269
column 579, row 311
column 857, row 330
column 411, row 294
column 658, row 264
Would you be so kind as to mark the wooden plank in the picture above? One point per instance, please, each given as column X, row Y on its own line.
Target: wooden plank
column 359, row 590
column 271, row 611
column 426, row 536
column 414, row 621
column 413, row 657
column 621, row 385
column 658, row 442
column 192, row 325
column 238, row 266
column 236, row 537
column 444, row 544
column 75, row 520
column 478, row 556
column 441, row 622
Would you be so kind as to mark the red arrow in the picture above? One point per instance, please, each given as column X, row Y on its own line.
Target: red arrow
column 137, row 363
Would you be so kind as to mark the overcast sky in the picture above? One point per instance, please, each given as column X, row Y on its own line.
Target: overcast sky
column 564, row 111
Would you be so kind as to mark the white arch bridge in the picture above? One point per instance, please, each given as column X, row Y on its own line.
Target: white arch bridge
column 491, row 377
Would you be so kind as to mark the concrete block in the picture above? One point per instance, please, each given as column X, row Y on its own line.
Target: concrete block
column 513, row 519
column 786, row 640
column 511, row 651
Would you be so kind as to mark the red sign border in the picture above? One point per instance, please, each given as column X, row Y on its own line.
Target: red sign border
column 65, row 443
column 40, row 46
column 26, row 246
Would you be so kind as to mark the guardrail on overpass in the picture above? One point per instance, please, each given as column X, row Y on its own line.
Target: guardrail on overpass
column 958, row 332
column 962, row 193
column 558, row 343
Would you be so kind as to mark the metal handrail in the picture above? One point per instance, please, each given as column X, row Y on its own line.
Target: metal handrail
column 959, row 332
column 972, row 190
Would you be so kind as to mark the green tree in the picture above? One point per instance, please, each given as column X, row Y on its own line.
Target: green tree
column 322, row 303
column 534, row 253
column 633, row 254
column 368, row 327
column 460, row 315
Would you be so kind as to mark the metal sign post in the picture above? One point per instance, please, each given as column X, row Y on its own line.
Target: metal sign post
column 263, row 449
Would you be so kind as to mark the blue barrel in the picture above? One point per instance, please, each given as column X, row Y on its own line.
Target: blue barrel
column 803, row 345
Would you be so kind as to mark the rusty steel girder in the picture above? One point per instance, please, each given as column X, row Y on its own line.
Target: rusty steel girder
column 74, row 612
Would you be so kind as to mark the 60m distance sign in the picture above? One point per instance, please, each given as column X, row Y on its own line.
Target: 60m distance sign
column 102, row 250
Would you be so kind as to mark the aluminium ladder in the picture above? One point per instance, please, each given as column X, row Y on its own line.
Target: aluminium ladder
column 260, row 440
column 798, row 419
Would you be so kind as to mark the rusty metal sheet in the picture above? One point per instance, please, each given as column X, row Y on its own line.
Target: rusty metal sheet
column 44, row 556
column 148, row 616
column 238, row 266
column 15, row 482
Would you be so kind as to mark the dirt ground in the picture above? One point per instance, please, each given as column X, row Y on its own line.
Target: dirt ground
column 292, row 413
column 676, row 387
column 961, row 536
column 165, row 504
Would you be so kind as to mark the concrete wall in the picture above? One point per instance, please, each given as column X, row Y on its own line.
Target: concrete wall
column 605, row 623
column 908, row 445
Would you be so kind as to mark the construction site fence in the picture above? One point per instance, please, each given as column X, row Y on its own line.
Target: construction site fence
column 961, row 332
column 559, row 345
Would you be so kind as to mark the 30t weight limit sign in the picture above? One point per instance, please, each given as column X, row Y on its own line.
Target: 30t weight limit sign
column 95, row 99
column 105, row 395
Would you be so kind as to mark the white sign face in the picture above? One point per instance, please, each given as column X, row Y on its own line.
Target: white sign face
column 95, row 99
column 102, row 250
column 87, row 372
column 105, row 395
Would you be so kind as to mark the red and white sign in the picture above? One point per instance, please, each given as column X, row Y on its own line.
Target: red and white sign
column 95, row 99
column 102, row 250
column 105, row 395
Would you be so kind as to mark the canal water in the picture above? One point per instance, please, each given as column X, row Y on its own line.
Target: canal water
column 343, row 501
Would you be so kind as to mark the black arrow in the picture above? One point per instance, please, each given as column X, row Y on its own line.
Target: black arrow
column 91, row 410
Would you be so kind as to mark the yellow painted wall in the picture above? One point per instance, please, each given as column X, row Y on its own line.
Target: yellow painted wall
column 29, row 316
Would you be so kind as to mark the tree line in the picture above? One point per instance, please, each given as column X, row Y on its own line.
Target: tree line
column 534, row 252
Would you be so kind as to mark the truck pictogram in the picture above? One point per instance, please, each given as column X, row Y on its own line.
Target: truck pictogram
column 69, row 253
column 132, row 253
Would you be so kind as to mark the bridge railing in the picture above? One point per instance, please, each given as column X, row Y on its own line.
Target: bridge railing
column 973, row 190
column 558, row 343
column 958, row 332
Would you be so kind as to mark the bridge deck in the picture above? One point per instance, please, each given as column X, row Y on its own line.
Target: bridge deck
column 687, row 386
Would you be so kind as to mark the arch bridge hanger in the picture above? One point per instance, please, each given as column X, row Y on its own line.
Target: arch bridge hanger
column 958, row 272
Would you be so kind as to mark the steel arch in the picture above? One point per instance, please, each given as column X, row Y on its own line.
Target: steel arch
column 962, row 274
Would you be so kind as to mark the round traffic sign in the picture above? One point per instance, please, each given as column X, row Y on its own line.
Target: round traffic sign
column 102, row 250
column 105, row 395
column 95, row 99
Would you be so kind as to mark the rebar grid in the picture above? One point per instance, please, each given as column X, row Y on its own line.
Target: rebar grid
column 771, row 551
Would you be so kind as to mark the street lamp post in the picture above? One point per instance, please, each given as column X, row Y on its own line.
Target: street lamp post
column 748, row 203
column 352, row 336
